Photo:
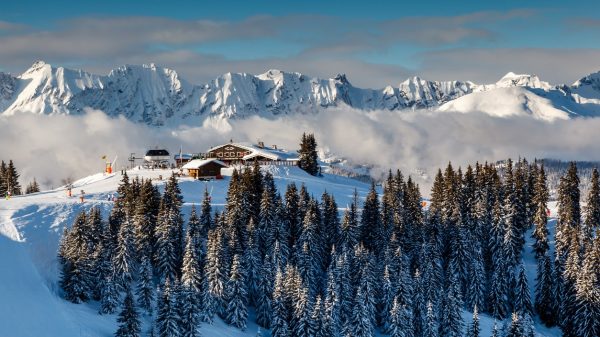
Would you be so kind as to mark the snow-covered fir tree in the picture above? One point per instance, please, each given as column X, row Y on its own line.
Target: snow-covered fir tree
column 280, row 318
column 236, row 293
column 167, row 318
column 129, row 321
column 145, row 286
column 474, row 329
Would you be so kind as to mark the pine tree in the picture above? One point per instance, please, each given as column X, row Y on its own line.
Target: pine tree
column 216, row 273
column 370, row 220
column 522, row 300
column 265, row 289
column 431, row 326
column 145, row 286
column 206, row 221
column 474, row 329
column 11, row 178
column 420, row 306
column 587, row 311
column 124, row 258
column 387, row 297
column 237, row 312
column 33, row 187
column 495, row 331
column 167, row 318
column 476, row 289
column 540, row 233
column 544, row 288
column 308, row 154
column 331, row 320
column 3, row 183
column 109, row 299
column 592, row 209
column 362, row 313
column 252, row 262
column 303, row 307
column 191, row 282
column 279, row 321
column 129, row 322
column 316, row 319
column 76, row 266
column 401, row 320
column 516, row 327
column 144, row 221
column 452, row 311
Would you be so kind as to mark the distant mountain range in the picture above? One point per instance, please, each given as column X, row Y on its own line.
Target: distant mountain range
column 158, row 96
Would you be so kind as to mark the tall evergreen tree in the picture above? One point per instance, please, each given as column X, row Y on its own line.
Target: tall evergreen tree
column 145, row 286
column 587, row 312
column 370, row 221
column 308, row 154
column 331, row 320
column 32, row 187
column 431, row 325
column 76, row 266
column 540, row 233
column 401, row 320
column 452, row 310
column 109, row 299
column 522, row 300
column 303, row 308
column 265, row 288
column 516, row 327
column 544, row 288
column 279, row 321
column 124, row 260
column 11, row 179
column 237, row 311
column 191, row 282
column 167, row 318
column 129, row 321
column 592, row 209
column 474, row 330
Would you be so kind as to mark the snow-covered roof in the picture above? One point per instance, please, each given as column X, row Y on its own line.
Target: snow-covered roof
column 255, row 151
column 197, row 163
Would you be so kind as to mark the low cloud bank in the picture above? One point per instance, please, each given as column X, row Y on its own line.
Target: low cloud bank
column 52, row 148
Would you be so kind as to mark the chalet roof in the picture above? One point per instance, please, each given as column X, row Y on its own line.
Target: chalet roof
column 256, row 151
column 197, row 163
column 157, row 152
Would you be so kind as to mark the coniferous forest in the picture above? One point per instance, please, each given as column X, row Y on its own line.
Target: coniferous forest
column 384, row 263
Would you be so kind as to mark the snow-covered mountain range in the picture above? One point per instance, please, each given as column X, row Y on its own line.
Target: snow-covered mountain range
column 159, row 96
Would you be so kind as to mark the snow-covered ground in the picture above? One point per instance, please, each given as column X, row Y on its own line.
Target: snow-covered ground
column 30, row 227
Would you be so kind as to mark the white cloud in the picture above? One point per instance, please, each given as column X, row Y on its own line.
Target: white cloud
column 52, row 148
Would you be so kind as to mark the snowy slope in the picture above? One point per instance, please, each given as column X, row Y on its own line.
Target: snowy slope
column 30, row 227
column 507, row 102
column 160, row 97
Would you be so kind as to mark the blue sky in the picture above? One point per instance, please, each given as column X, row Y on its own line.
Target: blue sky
column 375, row 43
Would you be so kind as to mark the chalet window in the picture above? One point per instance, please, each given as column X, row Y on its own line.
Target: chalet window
column 219, row 154
column 240, row 154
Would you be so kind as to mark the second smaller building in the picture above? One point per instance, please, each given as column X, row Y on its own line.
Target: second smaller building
column 204, row 168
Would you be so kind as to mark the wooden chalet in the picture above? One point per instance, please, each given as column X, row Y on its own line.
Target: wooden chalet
column 245, row 153
column 204, row 168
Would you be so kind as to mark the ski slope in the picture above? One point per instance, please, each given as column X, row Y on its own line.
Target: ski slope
column 30, row 228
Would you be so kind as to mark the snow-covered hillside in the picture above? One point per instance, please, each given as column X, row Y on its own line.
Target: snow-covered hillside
column 30, row 228
column 159, row 96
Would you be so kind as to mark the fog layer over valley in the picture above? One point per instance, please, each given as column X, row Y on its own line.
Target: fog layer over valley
column 54, row 148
